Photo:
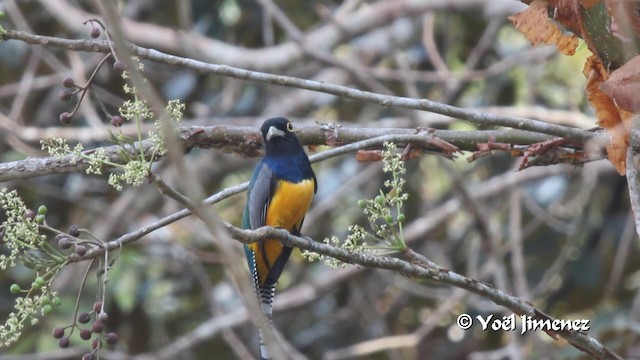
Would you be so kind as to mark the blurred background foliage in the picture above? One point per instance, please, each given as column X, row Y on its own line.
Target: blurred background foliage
column 559, row 237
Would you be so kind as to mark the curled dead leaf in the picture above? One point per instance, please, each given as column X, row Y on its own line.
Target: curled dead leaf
column 625, row 18
column 538, row 28
column 569, row 15
column 608, row 114
column 368, row 155
column 589, row 3
column 623, row 86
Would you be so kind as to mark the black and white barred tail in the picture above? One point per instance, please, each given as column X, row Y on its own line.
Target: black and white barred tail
column 266, row 293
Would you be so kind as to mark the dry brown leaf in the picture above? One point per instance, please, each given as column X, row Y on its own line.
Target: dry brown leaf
column 568, row 14
column 589, row 3
column 608, row 114
column 368, row 155
column 538, row 28
column 623, row 86
column 625, row 18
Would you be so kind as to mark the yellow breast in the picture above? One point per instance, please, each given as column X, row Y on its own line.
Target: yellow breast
column 289, row 204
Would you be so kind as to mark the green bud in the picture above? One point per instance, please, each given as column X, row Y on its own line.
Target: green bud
column 15, row 289
column 46, row 300
column 40, row 219
column 379, row 199
column 46, row 309
column 2, row 15
column 362, row 203
column 388, row 219
column 40, row 281
column 56, row 301
column 401, row 217
column 42, row 210
column 35, row 285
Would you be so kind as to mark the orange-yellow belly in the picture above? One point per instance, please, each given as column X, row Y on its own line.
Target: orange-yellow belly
column 289, row 204
column 286, row 210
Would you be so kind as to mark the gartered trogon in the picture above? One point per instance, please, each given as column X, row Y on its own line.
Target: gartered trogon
column 279, row 195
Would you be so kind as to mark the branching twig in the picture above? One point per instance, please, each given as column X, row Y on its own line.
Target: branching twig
column 247, row 140
column 427, row 270
column 475, row 117
column 343, row 26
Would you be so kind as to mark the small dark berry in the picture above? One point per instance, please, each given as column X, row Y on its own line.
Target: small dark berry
column 65, row 95
column 85, row 334
column 29, row 214
column 96, row 343
column 97, row 327
column 95, row 32
column 74, row 231
column 80, row 250
column 84, row 318
column 116, row 121
column 68, row 82
column 112, row 338
column 57, row 332
column 64, row 242
column 64, row 342
column 65, row 118
column 97, row 306
column 118, row 66
column 87, row 356
column 103, row 317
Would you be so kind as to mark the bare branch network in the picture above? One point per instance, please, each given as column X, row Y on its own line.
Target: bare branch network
column 536, row 142
column 247, row 141
column 420, row 268
column 476, row 117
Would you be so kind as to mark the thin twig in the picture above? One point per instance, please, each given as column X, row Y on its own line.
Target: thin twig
column 423, row 270
column 476, row 117
column 247, row 140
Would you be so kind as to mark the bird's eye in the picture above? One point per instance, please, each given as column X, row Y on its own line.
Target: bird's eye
column 289, row 127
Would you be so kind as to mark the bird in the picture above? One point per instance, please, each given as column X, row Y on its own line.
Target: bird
column 279, row 195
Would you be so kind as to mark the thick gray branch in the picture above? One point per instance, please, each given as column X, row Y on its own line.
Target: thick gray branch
column 247, row 141
column 196, row 45
column 427, row 270
column 476, row 117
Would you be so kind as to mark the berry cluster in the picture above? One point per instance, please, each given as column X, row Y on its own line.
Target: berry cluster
column 100, row 318
column 71, row 88
column 66, row 241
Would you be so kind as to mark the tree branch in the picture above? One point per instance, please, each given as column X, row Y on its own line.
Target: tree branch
column 427, row 270
column 248, row 141
column 476, row 117
column 193, row 44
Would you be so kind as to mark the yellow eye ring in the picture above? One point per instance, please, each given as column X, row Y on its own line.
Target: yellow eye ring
column 289, row 127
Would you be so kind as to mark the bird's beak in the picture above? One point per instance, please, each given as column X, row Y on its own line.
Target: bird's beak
column 274, row 131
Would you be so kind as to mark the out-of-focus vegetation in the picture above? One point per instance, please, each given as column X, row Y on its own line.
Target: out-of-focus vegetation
column 560, row 237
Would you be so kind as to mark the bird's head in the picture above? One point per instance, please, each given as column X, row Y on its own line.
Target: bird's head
column 279, row 137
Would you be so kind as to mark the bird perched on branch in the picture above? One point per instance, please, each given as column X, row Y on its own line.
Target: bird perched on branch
column 279, row 195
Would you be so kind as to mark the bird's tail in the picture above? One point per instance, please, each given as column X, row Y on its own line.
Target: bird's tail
column 266, row 293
